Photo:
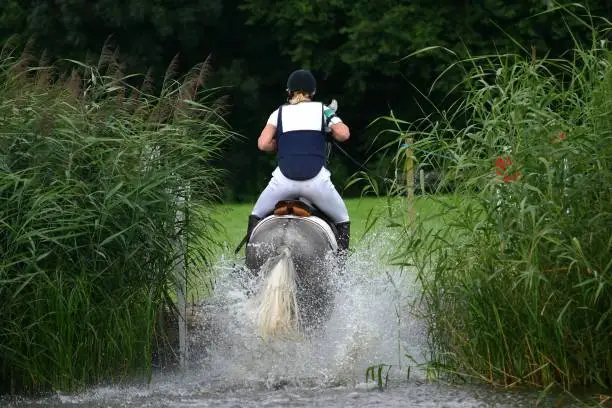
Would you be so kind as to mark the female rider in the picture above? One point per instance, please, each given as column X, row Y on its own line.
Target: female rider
column 297, row 131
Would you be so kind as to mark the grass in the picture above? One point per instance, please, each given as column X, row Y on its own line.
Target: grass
column 91, row 168
column 233, row 218
column 365, row 213
column 517, row 276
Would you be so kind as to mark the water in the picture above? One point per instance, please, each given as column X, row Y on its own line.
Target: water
column 375, row 321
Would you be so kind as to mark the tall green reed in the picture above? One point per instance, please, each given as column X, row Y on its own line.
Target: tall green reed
column 92, row 168
column 517, row 275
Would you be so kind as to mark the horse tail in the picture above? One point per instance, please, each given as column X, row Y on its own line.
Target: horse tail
column 278, row 313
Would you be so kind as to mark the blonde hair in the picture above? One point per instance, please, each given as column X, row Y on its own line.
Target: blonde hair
column 298, row 96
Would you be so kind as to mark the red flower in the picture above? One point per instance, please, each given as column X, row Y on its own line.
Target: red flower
column 558, row 138
column 502, row 165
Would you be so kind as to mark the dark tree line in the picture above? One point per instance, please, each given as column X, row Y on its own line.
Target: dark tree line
column 356, row 48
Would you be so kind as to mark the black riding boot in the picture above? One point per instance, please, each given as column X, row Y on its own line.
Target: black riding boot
column 343, row 237
column 253, row 220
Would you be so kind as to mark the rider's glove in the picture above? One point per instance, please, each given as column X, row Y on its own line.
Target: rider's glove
column 333, row 105
column 329, row 112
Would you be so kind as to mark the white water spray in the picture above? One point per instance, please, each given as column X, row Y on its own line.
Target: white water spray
column 371, row 324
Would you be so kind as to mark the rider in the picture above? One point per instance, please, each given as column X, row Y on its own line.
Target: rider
column 297, row 131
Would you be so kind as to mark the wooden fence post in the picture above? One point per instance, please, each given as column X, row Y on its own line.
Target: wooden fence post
column 181, row 280
column 422, row 180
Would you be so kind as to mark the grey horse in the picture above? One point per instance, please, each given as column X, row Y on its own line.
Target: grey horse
column 306, row 241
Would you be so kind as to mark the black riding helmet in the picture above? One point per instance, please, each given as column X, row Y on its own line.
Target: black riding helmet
column 301, row 80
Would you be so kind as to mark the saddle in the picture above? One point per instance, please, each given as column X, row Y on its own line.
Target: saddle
column 294, row 207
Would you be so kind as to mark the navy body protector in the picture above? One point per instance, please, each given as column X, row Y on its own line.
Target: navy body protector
column 301, row 153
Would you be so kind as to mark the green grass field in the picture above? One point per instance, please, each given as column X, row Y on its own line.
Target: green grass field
column 233, row 218
column 233, row 221
column 365, row 213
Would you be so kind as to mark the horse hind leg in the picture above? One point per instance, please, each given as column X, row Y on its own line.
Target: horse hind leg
column 316, row 296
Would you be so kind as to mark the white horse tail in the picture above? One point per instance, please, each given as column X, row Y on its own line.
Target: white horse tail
column 278, row 314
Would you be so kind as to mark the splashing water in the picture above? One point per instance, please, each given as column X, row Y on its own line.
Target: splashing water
column 372, row 323
column 368, row 326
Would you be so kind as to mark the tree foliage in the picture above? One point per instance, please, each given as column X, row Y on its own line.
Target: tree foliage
column 357, row 49
column 364, row 38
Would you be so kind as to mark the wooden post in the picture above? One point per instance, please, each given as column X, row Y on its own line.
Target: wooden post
column 422, row 181
column 410, row 179
column 181, row 281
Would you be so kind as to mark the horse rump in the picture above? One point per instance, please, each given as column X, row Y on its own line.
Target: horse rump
column 291, row 255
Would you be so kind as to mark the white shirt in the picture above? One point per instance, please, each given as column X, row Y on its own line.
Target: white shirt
column 304, row 116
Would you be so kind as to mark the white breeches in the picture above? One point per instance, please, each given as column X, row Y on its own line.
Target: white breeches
column 319, row 190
